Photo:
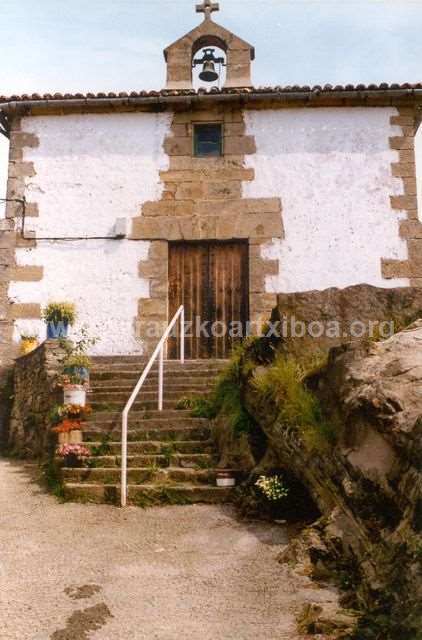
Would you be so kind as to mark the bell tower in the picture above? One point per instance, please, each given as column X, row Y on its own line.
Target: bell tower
column 181, row 55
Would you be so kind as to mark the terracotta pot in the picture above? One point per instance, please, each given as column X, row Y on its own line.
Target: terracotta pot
column 75, row 437
column 74, row 394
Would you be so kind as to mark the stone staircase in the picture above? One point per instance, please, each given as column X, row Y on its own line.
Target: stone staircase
column 171, row 456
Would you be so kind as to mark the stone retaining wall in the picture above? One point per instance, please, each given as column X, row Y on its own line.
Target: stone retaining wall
column 35, row 393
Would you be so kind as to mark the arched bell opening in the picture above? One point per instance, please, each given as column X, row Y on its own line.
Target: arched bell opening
column 209, row 62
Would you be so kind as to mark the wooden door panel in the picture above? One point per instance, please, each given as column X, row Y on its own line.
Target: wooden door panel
column 229, row 286
column 211, row 280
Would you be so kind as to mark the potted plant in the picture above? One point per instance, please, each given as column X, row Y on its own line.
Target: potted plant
column 77, row 412
column 68, row 431
column 77, row 364
column 28, row 343
column 73, row 454
column 58, row 316
column 74, row 389
column 66, row 421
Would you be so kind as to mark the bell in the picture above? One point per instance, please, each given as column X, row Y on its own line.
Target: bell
column 208, row 73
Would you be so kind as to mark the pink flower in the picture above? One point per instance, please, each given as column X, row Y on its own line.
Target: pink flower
column 77, row 450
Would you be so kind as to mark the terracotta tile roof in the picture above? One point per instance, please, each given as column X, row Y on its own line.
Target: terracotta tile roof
column 317, row 89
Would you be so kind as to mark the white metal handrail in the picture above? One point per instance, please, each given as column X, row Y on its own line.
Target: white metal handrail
column 158, row 352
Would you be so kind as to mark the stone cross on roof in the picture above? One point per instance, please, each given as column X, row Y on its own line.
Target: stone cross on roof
column 207, row 7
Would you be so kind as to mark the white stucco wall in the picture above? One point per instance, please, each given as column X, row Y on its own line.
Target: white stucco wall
column 90, row 170
column 331, row 169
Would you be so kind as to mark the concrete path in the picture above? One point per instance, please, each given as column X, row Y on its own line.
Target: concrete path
column 82, row 572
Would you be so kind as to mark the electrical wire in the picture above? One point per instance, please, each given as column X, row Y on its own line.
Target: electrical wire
column 22, row 201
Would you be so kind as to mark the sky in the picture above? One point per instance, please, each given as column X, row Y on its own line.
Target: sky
column 116, row 45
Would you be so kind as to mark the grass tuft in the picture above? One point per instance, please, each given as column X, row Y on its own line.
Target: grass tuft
column 282, row 385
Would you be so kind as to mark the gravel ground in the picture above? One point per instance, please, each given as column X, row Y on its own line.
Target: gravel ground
column 87, row 572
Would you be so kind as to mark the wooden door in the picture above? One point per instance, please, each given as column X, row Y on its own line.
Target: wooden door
column 211, row 280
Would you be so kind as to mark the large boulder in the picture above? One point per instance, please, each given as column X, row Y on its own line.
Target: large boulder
column 315, row 321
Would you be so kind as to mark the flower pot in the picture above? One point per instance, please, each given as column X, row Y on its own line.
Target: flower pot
column 64, row 437
column 27, row 345
column 56, row 330
column 75, row 436
column 81, row 372
column 73, row 461
column 74, row 394
column 225, row 479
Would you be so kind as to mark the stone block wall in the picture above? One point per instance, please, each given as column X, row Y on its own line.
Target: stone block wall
column 202, row 199
column 410, row 226
column 35, row 392
column 10, row 239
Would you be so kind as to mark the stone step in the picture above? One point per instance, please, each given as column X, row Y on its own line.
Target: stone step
column 113, row 395
column 145, row 495
column 156, row 447
column 177, row 415
column 131, row 370
column 139, row 475
column 116, row 405
column 170, row 386
column 116, row 359
column 168, row 459
column 141, row 435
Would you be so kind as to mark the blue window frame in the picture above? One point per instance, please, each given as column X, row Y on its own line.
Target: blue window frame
column 208, row 140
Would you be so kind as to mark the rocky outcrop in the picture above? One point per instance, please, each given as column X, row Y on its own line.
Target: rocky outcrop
column 368, row 483
column 315, row 321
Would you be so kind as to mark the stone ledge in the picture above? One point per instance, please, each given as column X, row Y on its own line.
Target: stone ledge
column 395, row 269
column 22, row 139
column 178, row 146
column 401, row 142
column 239, row 145
column 204, row 173
column 27, row 273
column 411, row 229
column 191, row 163
column 404, row 202
column 153, row 307
column 236, row 206
column 410, row 186
column 403, row 169
column 402, row 120
column 152, row 268
column 208, row 115
column 223, row 190
column 22, row 310
column 20, row 169
column 166, row 208
column 407, row 156
column 213, row 227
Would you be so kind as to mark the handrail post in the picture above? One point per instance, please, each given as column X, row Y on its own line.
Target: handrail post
column 123, row 480
column 158, row 352
column 160, row 379
column 182, row 336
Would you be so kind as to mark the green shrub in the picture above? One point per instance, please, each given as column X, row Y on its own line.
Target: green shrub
column 225, row 399
column 77, row 360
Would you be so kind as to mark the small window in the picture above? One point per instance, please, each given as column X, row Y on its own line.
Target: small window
column 208, row 140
